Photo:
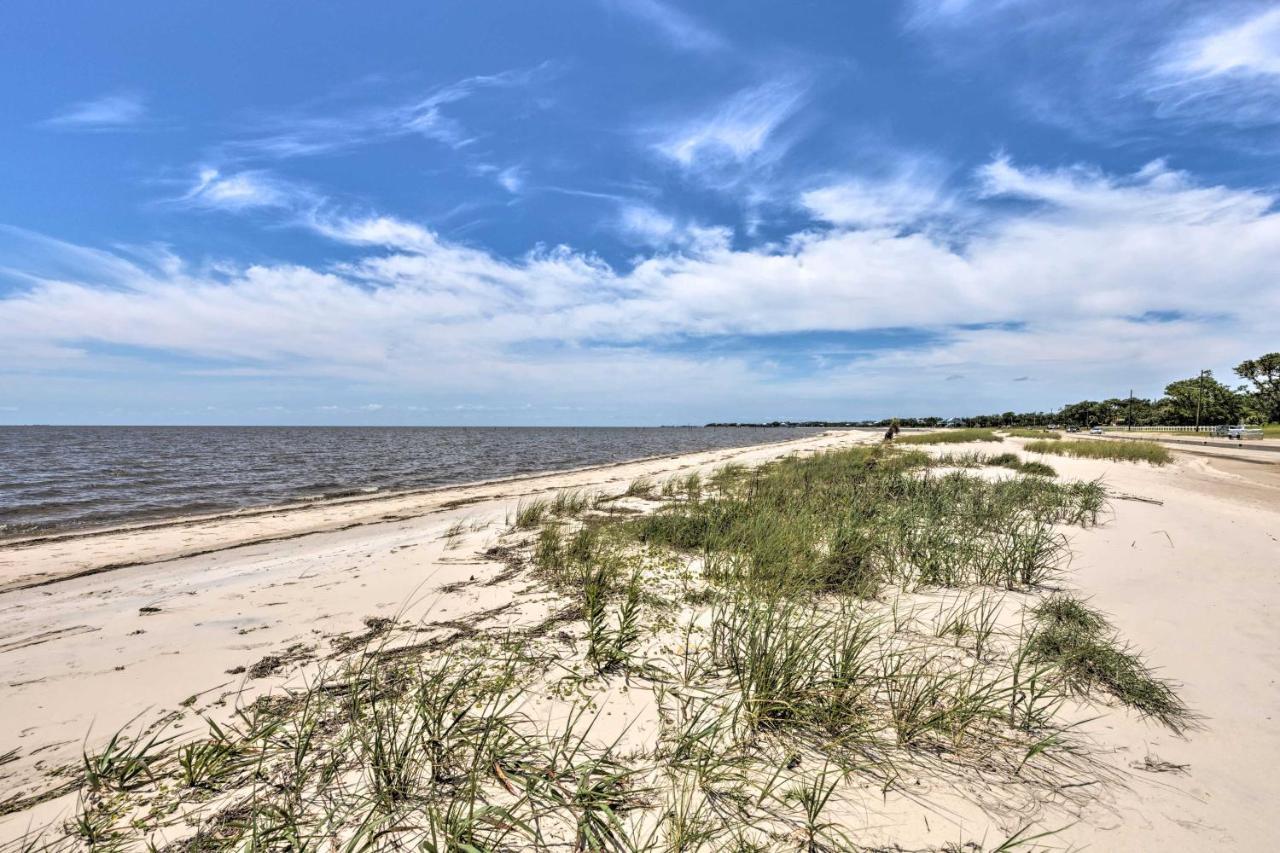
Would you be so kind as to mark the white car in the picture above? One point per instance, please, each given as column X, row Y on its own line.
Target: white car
column 1095, row 430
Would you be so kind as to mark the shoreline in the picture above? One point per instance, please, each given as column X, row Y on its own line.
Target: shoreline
column 296, row 511
column 347, row 497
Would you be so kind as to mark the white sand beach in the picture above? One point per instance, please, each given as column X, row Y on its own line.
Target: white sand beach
column 123, row 628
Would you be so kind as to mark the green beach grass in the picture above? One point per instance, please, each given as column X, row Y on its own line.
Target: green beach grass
column 952, row 436
column 1120, row 451
column 799, row 631
column 1023, row 432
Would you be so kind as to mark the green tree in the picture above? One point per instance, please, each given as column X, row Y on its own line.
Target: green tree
column 1214, row 402
column 1264, row 373
column 1088, row 413
column 1135, row 411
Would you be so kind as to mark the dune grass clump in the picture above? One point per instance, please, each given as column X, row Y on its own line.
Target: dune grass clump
column 1032, row 432
column 856, row 521
column 570, row 502
column 529, row 514
column 1120, row 451
column 1005, row 460
column 1083, row 645
column 974, row 459
column 640, row 487
column 951, row 436
column 963, row 459
column 799, row 670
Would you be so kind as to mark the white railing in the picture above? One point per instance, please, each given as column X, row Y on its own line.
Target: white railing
column 1204, row 429
column 1209, row 428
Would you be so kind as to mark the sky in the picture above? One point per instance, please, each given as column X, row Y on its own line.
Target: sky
column 629, row 212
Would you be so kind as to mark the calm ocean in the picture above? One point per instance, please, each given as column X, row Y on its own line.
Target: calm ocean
column 54, row 478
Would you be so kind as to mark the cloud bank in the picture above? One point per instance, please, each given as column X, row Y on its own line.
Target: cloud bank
column 1073, row 276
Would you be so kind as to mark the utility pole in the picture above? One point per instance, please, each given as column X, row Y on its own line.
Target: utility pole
column 1130, row 410
column 1199, row 398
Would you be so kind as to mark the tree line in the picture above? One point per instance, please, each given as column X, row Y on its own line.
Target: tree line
column 1201, row 399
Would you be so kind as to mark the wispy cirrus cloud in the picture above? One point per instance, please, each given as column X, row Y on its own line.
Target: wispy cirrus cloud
column 925, row 13
column 244, row 190
column 111, row 112
column 677, row 27
column 910, row 191
column 311, row 133
column 1155, row 193
column 740, row 130
column 1177, row 66
column 1222, row 68
column 510, row 178
column 1249, row 46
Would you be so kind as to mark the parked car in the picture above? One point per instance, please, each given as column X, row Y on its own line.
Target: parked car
column 1073, row 429
column 1095, row 430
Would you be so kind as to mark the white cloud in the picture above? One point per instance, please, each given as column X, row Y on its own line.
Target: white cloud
column 647, row 226
column 679, row 28
column 1049, row 289
column 736, row 131
column 907, row 197
column 382, row 231
column 511, row 179
column 1155, row 193
column 1121, row 72
column 949, row 13
column 1251, row 46
column 242, row 191
column 1223, row 69
column 109, row 112
column 312, row 133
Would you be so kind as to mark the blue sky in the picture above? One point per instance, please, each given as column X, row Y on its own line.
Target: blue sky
column 628, row 211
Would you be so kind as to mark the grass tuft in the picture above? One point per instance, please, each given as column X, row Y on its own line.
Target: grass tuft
column 530, row 514
column 953, row 436
column 1084, row 646
column 1120, row 451
column 1030, row 432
